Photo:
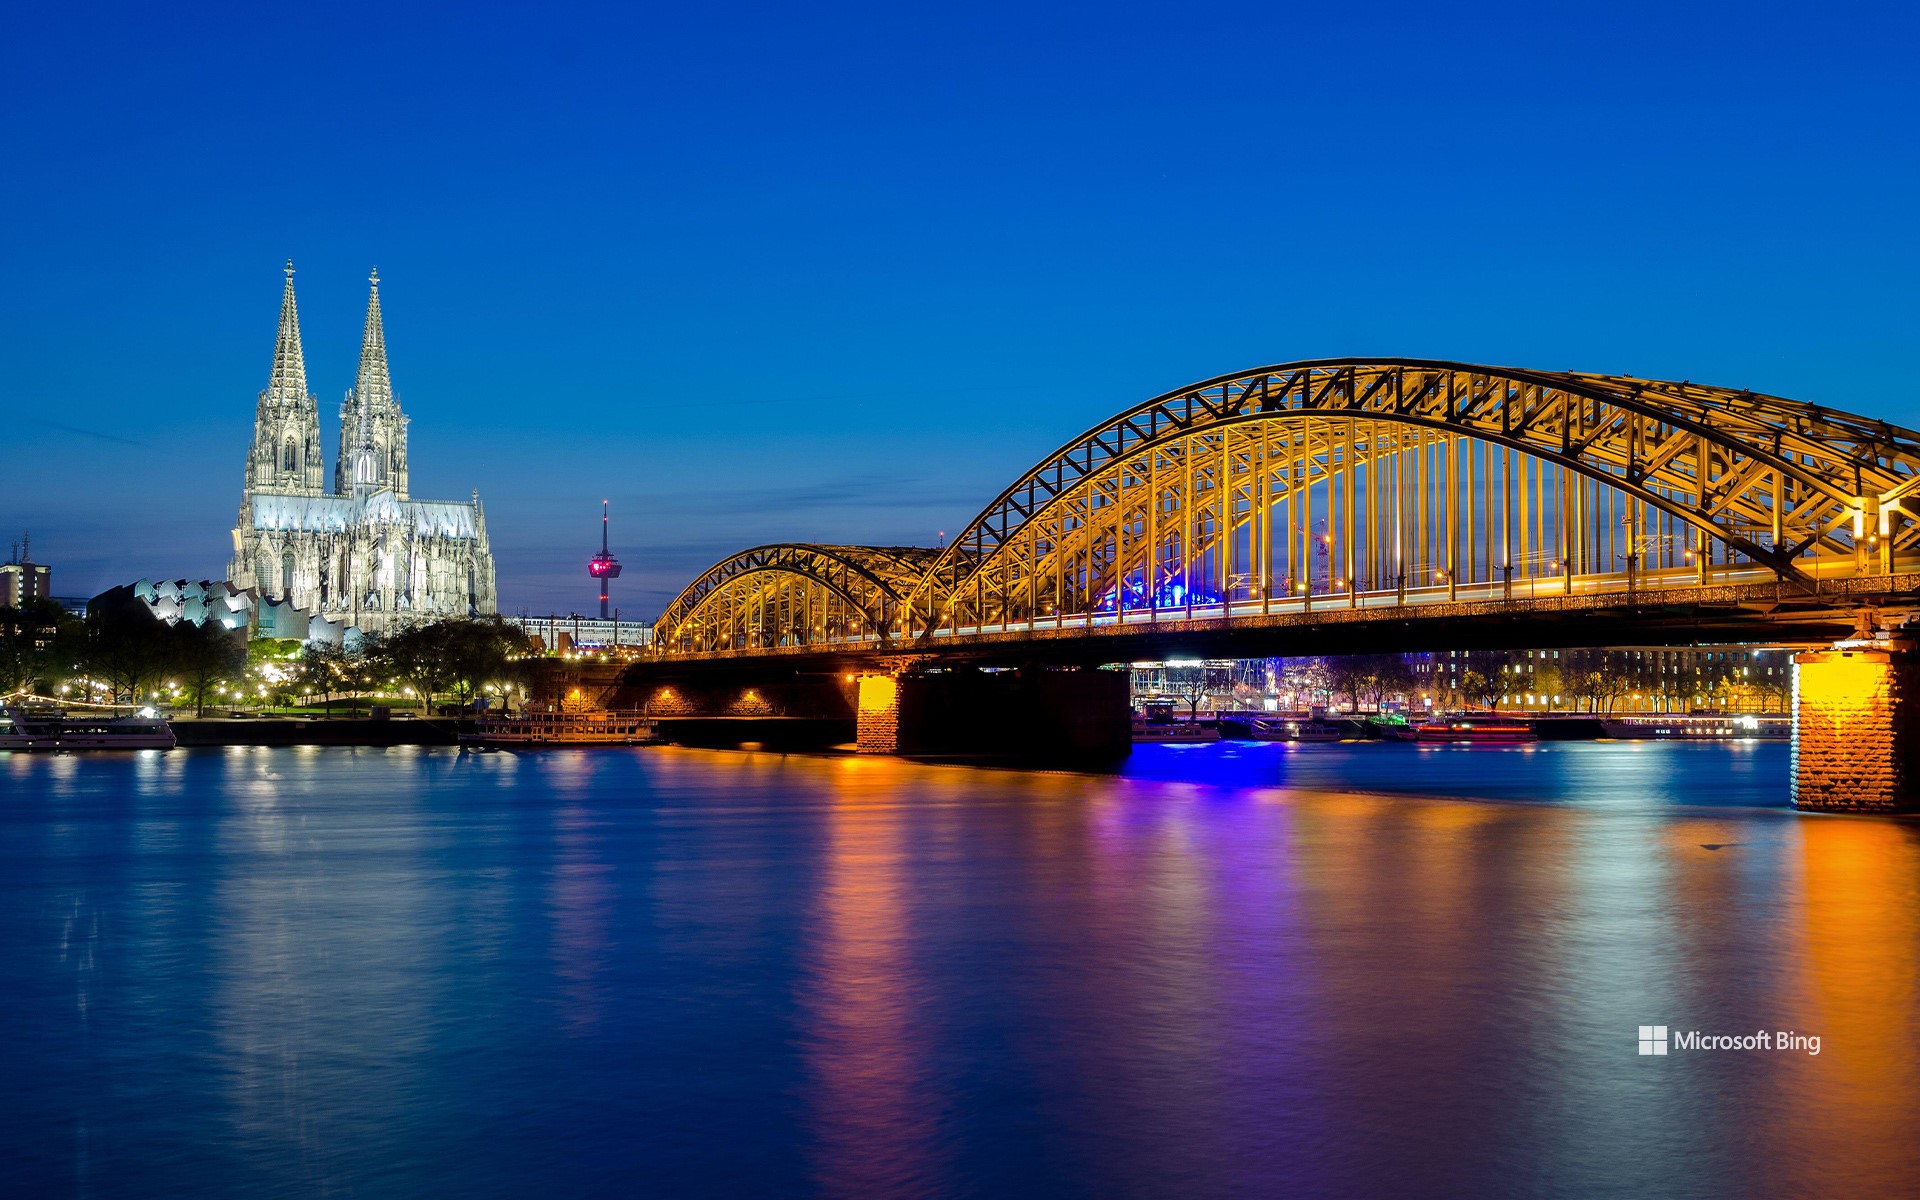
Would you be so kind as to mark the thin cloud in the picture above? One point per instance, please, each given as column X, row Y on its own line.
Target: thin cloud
column 90, row 433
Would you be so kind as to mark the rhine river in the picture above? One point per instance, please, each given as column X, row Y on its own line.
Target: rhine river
column 1233, row 970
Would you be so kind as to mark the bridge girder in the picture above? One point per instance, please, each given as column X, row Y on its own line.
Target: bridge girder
column 1771, row 479
column 854, row 590
column 1421, row 474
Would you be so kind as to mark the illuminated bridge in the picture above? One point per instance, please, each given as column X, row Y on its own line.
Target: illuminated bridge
column 1342, row 505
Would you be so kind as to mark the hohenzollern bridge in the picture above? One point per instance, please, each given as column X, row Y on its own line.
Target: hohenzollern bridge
column 1348, row 505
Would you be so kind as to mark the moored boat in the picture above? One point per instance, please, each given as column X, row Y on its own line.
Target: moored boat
column 1690, row 728
column 1281, row 729
column 1156, row 722
column 1486, row 729
column 27, row 729
column 595, row 727
column 1147, row 729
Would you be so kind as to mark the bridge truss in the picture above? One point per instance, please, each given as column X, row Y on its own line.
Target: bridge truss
column 1375, row 484
column 791, row 594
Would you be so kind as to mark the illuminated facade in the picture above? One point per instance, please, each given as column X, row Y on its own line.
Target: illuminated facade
column 363, row 554
column 23, row 581
column 572, row 631
column 1610, row 679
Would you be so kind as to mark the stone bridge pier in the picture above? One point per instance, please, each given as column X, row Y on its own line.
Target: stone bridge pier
column 1856, row 725
column 1033, row 714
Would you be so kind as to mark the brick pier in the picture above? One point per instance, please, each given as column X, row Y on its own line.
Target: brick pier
column 1856, row 728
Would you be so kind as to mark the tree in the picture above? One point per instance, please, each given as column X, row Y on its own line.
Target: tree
column 273, row 669
column 1773, row 692
column 126, row 649
column 1395, row 678
column 479, row 650
column 458, row 655
column 1308, row 678
column 321, row 669
column 1347, row 675
column 1587, row 684
column 1717, row 683
column 38, row 642
column 1191, row 688
column 204, row 657
column 1365, row 679
column 1617, row 681
column 418, row 655
column 1583, row 675
column 1483, row 690
column 1549, row 681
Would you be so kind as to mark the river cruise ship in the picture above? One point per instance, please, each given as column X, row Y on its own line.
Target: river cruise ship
column 1698, row 727
column 50, row 729
column 597, row 727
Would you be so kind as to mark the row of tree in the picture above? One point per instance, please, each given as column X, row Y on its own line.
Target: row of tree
column 129, row 657
column 455, row 658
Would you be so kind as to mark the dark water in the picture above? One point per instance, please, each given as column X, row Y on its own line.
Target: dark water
column 662, row 972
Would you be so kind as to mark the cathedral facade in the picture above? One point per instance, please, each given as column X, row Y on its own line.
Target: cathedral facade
column 361, row 552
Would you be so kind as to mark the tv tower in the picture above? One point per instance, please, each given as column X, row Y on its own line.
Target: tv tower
column 603, row 566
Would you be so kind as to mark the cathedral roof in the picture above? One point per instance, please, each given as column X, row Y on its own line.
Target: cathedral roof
column 378, row 510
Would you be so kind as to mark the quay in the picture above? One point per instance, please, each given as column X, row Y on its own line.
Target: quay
column 295, row 731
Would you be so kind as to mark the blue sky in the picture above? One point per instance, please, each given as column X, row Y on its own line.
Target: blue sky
column 838, row 273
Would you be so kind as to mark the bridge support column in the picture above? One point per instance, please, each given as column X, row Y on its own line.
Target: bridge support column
column 877, row 714
column 1033, row 715
column 1856, row 727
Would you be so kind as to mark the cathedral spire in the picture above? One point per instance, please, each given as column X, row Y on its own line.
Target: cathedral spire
column 288, row 383
column 373, row 386
column 373, row 430
column 285, row 459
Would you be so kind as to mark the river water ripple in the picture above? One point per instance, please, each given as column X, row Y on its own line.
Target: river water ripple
column 1229, row 971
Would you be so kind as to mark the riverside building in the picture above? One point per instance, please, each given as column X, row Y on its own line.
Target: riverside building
column 23, row 581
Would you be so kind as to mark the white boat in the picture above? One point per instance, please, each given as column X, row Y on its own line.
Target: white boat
column 1691, row 728
column 22, row 729
column 596, row 727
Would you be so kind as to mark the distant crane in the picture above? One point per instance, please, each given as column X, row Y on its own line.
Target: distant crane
column 603, row 566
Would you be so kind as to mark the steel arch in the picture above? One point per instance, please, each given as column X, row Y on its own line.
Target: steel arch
column 871, row 580
column 1745, row 461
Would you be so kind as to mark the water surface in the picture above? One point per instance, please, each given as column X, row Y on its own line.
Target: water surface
column 668, row 972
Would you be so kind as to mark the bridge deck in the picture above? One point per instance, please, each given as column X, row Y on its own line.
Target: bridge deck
column 1663, row 608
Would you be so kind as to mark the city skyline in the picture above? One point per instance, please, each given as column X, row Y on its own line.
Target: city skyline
column 892, row 601
column 891, row 266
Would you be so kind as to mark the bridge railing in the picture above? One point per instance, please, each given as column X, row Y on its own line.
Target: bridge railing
column 1685, row 586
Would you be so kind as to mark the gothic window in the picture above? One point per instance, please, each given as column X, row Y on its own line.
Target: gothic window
column 286, row 575
column 393, row 459
column 290, row 457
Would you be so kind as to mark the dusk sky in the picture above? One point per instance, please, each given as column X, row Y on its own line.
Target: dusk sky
column 833, row 274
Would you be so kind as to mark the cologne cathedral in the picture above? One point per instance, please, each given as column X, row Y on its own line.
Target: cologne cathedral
column 361, row 553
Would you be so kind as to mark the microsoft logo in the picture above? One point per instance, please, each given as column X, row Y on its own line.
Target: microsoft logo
column 1653, row 1039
